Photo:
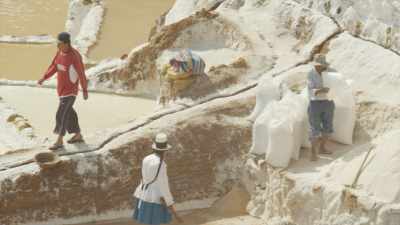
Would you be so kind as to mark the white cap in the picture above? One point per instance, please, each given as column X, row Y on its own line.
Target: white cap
column 161, row 142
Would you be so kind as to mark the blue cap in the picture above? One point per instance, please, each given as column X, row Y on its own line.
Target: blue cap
column 64, row 37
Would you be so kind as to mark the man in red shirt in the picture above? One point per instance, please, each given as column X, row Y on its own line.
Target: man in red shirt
column 70, row 72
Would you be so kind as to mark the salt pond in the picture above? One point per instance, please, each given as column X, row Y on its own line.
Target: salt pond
column 127, row 24
column 32, row 17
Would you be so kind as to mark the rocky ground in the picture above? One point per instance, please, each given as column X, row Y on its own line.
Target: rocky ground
column 228, row 210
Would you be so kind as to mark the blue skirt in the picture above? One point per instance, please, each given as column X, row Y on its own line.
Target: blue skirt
column 151, row 213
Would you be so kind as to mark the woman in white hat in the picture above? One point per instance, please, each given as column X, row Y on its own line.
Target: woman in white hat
column 154, row 202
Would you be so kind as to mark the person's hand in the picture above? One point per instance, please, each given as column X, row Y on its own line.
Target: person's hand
column 317, row 92
column 85, row 95
column 322, row 90
column 40, row 82
column 326, row 89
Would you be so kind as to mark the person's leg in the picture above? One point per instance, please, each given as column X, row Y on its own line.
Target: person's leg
column 66, row 116
column 315, row 142
column 314, row 117
column 322, row 148
column 327, row 125
column 173, row 91
column 168, row 92
column 73, row 127
column 60, row 124
column 164, row 91
column 58, row 144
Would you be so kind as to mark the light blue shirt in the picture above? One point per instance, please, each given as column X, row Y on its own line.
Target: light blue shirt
column 315, row 82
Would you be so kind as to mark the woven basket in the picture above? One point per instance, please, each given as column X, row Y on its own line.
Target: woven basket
column 46, row 159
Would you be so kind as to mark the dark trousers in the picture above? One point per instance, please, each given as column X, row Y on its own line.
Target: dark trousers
column 320, row 115
column 66, row 118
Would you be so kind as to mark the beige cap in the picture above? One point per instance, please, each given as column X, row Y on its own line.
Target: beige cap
column 320, row 60
column 161, row 143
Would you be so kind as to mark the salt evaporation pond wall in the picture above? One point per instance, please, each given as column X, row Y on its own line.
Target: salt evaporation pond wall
column 127, row 24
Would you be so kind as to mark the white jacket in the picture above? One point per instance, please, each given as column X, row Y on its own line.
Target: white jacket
column 158, row 189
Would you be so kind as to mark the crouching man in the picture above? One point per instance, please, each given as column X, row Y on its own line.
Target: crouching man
column 180, row 74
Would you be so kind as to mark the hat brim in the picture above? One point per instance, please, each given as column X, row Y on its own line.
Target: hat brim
column 154, row 146
column 53, row 162
column 56, row 159
column 319, row 64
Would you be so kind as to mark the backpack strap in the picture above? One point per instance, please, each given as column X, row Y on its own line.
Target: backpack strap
column 145, row 186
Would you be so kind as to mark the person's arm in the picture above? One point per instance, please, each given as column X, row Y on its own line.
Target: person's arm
column 190, row 65
column 312, row 87
column 310, row 83
column 166, row 197
column 173, row 211
column 324, row 90
column 78, row 64
column 164, row 185
column 50, row 71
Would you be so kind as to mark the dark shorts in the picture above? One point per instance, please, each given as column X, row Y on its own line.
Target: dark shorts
column 320, row 116
column 66, row 118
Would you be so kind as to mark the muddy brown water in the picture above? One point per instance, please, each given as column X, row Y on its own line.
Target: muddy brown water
column 29, row 17
column 127, row 24
column 32, row 17
column 25, row 62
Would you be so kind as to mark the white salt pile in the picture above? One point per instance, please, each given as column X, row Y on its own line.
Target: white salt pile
column 380, row 175
column 281, row 126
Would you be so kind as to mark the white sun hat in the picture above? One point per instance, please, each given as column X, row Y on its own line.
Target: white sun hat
column 161, row 143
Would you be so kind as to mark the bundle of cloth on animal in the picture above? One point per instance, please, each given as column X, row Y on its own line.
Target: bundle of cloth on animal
column 180, row 73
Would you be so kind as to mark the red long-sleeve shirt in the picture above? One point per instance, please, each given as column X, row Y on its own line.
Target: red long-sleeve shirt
column 70, row 70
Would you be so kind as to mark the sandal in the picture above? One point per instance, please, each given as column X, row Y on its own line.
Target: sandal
column 325, row 151
column 72, row 141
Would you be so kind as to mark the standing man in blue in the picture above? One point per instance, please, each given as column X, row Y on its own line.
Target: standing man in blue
column 321, row 109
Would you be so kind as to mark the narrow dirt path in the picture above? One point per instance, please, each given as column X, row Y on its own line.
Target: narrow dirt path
column 229, row 210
